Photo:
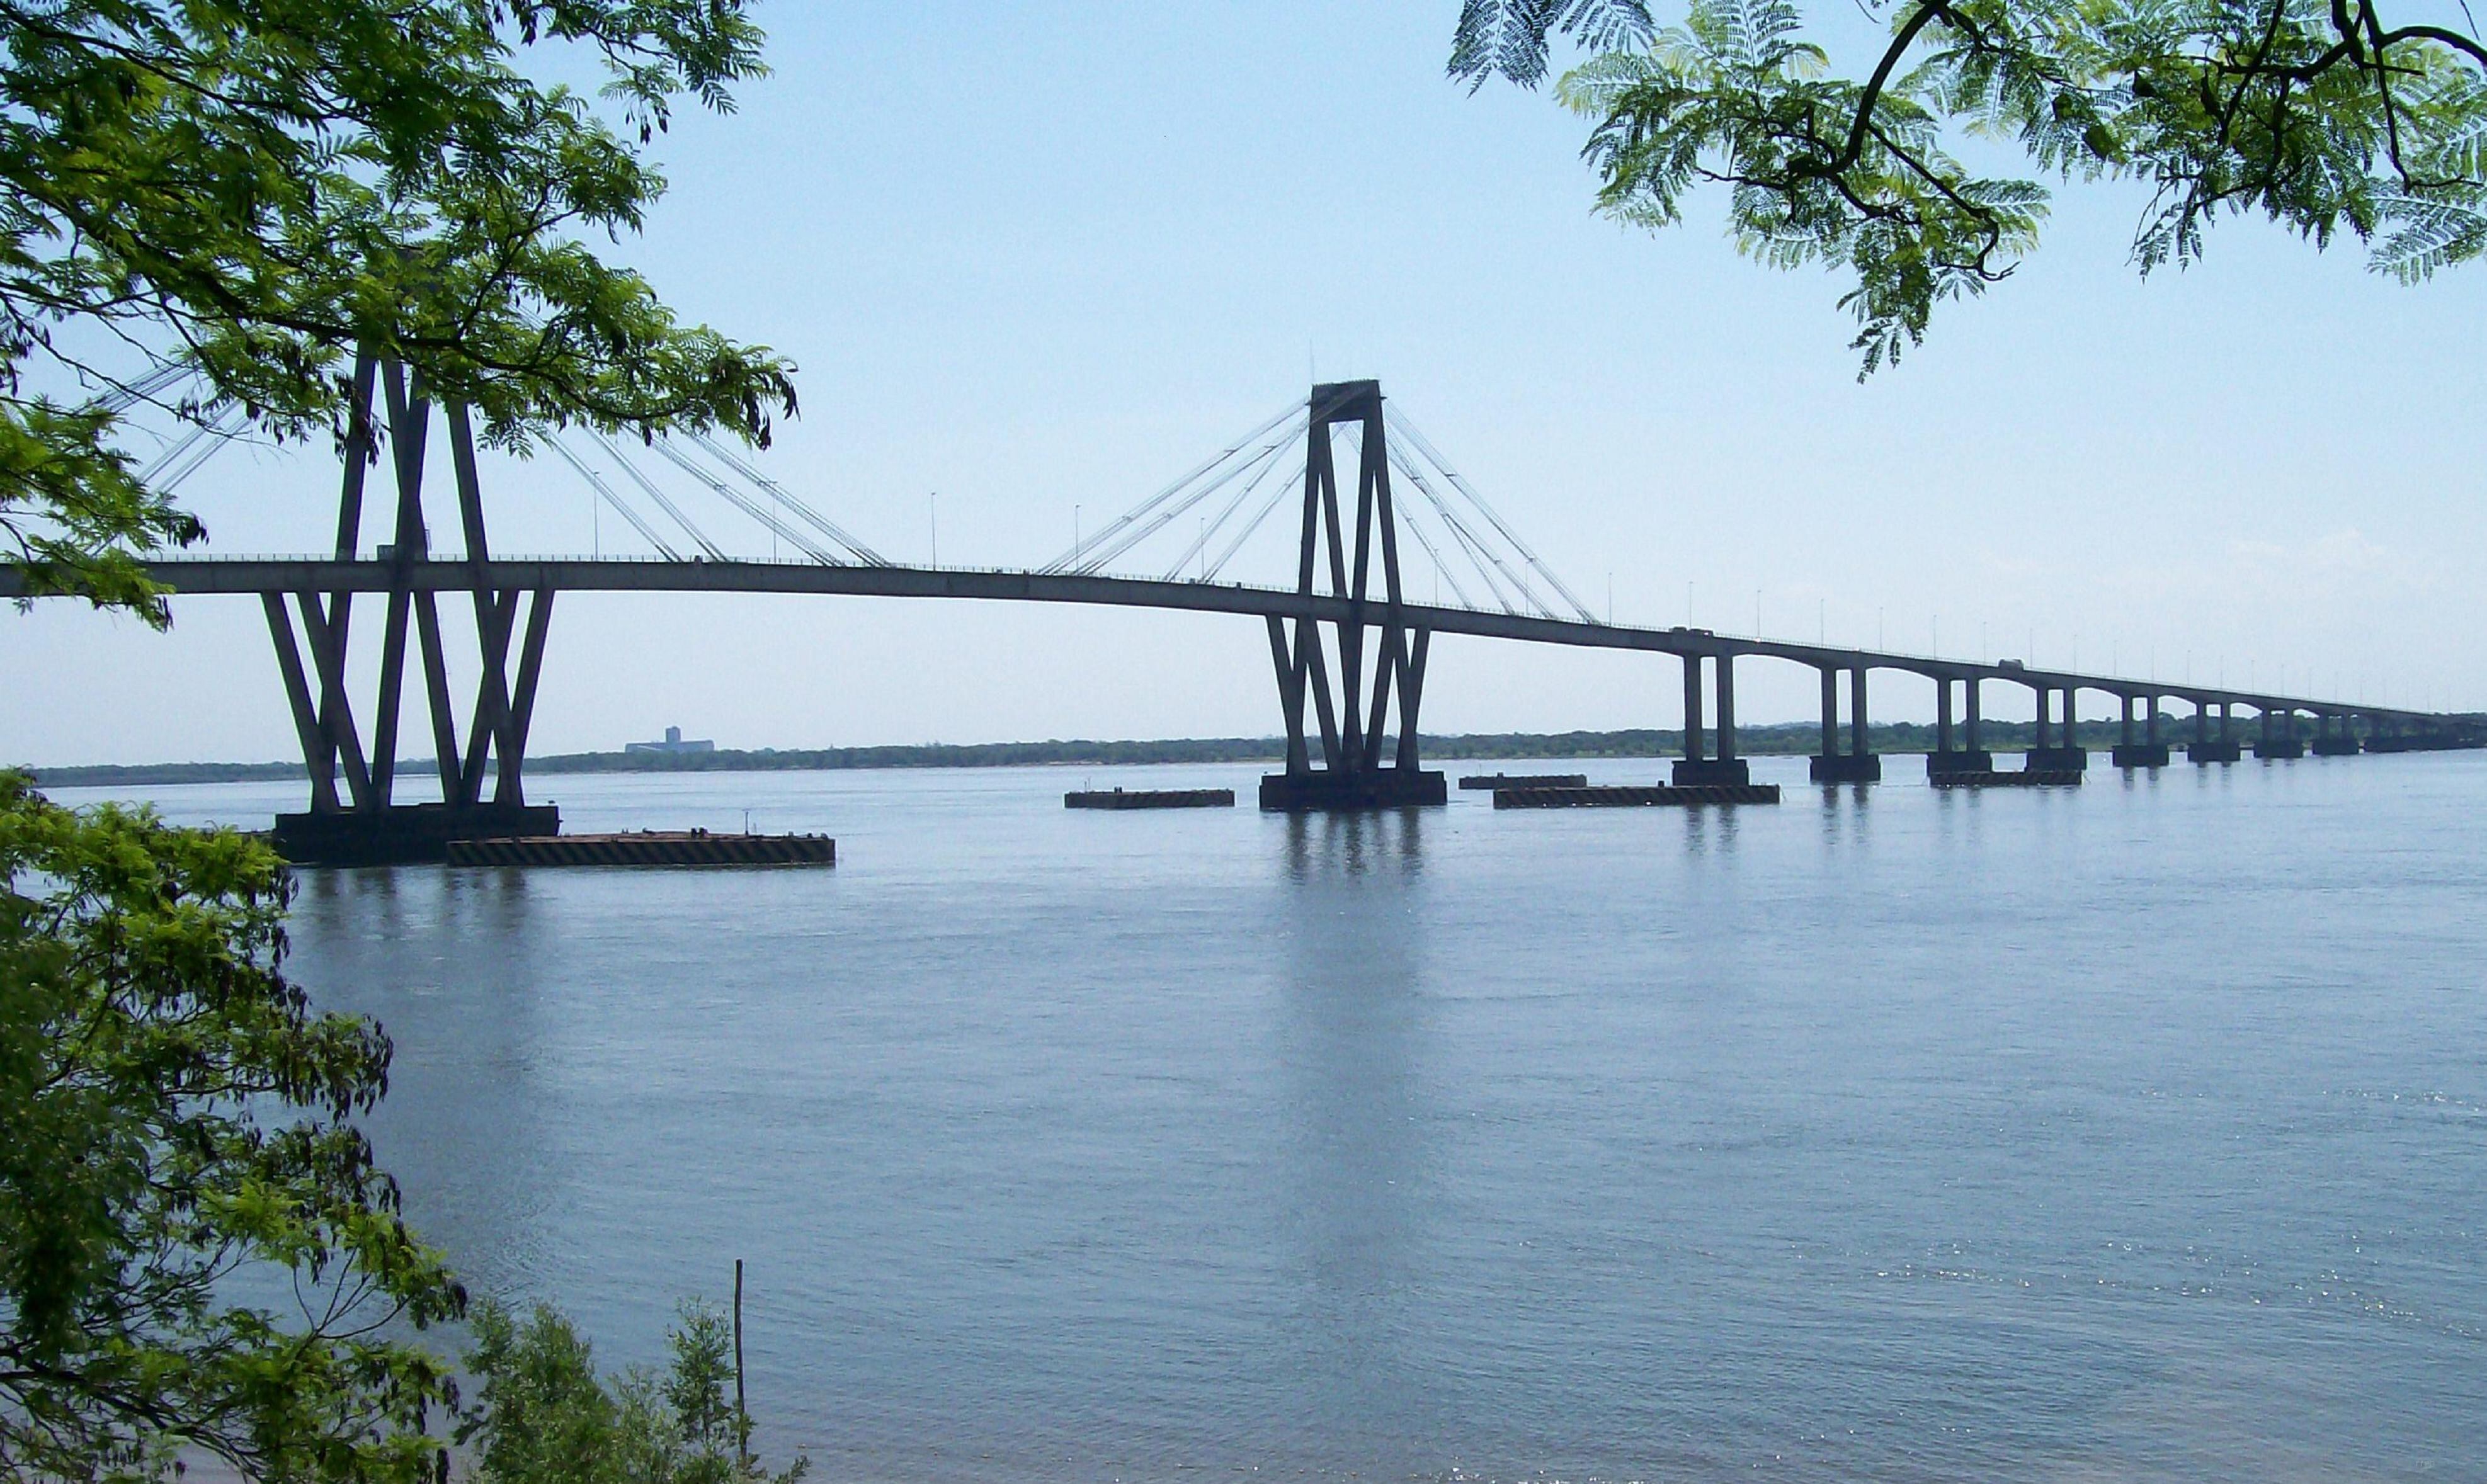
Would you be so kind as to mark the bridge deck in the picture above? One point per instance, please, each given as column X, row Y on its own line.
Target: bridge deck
column 319, row 574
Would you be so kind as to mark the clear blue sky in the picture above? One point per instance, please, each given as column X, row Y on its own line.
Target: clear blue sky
column 1042, row 255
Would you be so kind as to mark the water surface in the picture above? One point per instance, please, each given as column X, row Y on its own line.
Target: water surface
column 2133, row 1132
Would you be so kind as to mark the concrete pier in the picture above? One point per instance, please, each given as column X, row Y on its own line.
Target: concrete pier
column 403, row 833
column 2139, row 755
column 1942, row 763
column 1321, row 790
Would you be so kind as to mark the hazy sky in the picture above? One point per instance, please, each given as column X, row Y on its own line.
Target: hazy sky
column 1042, row 255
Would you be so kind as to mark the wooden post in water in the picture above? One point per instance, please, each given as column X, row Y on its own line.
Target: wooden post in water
column 742, row 1415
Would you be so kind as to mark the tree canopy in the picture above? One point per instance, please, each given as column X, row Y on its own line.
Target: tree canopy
column 179, row 1122
column 2324, row 115
column 256, row 192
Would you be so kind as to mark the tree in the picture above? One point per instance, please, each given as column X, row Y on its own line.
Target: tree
column 251, row 193
column 213, row 207
column 176, row 1133
column 2320, row 115
column 544, row 1416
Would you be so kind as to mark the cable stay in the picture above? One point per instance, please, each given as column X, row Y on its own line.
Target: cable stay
column 1480, row 556
column 1442, row 568
column 161, row 476
column 862, row 553
column 746, row 504
column 1432, row 456
column 1107, row 548
column 147, row 388
column 648, row 487
column 596, row 483
column 1277, row 460
column 1142, row 511
column 1277, row 497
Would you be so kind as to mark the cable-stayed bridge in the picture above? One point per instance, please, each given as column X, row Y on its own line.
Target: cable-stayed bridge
column 1339, row 503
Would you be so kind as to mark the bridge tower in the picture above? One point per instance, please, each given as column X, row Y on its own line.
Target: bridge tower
column 1351, row 705
column 366, row 825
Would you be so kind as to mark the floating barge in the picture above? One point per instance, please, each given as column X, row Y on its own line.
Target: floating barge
column 1500, row 781
column 2022, row 778
column 1150, row 798
column 647, row 847
column 1629, row 796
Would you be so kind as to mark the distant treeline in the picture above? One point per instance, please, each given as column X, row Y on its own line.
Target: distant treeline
column 1783, row 738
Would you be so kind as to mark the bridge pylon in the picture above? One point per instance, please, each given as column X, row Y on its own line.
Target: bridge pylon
column 1351, row 705
column 366, row 825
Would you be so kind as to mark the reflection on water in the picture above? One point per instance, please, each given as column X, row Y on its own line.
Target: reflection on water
column 1350, row 1032
column 2130, row 1131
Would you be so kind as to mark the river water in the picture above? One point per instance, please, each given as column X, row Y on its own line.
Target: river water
column 2131, row 1132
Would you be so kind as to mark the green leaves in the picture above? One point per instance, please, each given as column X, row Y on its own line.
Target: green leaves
column 2321, row 117
column 149, row 1048
column 258, row 191
column 544, row 1415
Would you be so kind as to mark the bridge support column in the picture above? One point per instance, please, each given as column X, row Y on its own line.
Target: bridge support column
column 2332, row 739
column 2054, row 749
column 368, row 826
column 1353, row 773
column 1946, row 759
column 1723, row 766
column 1858, row 765
column 2205, row 749
column 2129, row 753
column 2279, row 740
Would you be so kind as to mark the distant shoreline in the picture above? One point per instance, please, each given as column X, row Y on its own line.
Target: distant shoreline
column 1779, row 739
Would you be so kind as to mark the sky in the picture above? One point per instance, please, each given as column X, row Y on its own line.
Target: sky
column 1034, row 262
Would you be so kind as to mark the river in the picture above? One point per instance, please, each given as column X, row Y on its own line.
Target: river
column 2136, row 1131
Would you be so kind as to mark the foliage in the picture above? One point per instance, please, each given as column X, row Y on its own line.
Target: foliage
column 544, row 1416
column 2320, row 115
column 255, row 191
column 176, row 1133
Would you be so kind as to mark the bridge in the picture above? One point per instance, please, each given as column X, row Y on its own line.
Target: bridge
column 1349, row 643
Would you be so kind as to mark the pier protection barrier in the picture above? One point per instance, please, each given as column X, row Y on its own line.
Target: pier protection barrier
column 1148, row 798
column 1490, row 782
column 1628, row 796
column 648, row 847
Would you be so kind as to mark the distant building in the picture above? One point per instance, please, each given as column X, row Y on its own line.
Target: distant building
column 674, row 742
